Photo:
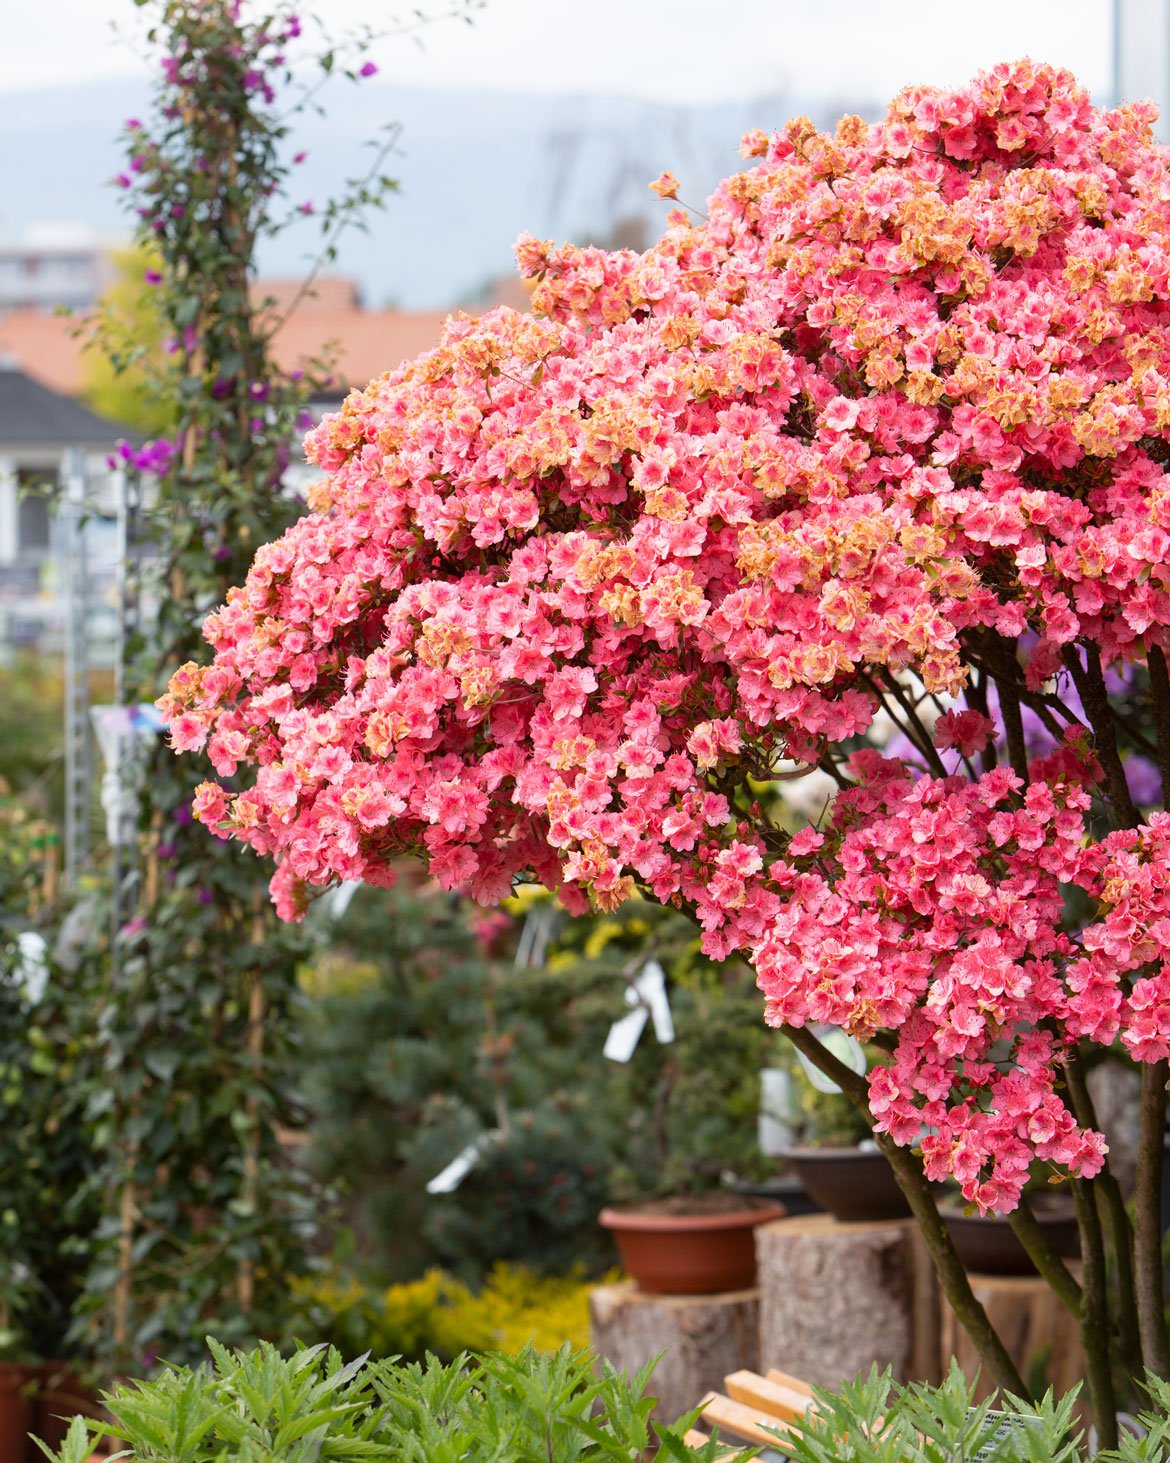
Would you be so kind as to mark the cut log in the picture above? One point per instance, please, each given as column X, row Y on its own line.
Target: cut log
column 1041, row 1337
column 704, row 1337
column 837, row 1298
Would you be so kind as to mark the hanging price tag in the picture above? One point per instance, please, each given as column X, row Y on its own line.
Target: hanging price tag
column 623, row 1035
column 449, row 1179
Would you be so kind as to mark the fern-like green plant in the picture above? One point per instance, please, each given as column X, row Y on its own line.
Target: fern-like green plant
column 259, row 1407
column 875, row 1420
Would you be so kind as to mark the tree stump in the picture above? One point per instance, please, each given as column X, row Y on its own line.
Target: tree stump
column 704, row 1337
column 1041, row 1337
column 836, row 1298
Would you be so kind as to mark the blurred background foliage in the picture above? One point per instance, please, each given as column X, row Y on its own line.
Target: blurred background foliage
column 433, row 1030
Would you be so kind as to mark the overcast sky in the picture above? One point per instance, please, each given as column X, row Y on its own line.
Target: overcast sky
column 675, row 50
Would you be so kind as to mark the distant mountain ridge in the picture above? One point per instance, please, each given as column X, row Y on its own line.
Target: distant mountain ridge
column 476, row 169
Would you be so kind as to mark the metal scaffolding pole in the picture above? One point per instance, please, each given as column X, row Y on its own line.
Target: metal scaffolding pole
column 75, row 598
column 1141, row 55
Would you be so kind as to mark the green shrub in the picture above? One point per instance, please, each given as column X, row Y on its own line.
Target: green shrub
column 423, row 1038
column 48, row 1162
column 419, row 1043
column 256, row 1407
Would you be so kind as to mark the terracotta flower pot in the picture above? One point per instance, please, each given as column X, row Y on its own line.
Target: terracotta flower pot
column 852, row 1184
column 691, row 1247
column 16, row 1410
column 58, row 1397
column 987, row 1244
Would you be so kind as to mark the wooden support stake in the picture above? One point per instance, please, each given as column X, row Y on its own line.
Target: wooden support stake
column 128, row 1213
column 250, row 1192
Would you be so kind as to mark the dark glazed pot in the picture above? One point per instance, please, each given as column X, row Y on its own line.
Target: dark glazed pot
column 987, row 1244
column 852, row 1184
column 698, row 1253
column 788, row 1191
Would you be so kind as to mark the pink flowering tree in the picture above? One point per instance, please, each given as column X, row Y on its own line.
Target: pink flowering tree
column 883, row 432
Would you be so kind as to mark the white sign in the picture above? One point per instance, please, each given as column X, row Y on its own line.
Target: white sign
column 779, row 1111
column 122, row 734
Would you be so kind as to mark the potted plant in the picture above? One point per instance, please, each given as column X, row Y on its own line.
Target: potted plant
column 17, row 1375
column 736, row 495
column 685, row 1110
column 691, row 1244
column 829, row 1150
column 37, row 1397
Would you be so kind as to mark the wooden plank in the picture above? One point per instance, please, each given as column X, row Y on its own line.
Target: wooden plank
column 924, row 1351
column 744, row 1422
column 786, row 1379
column 774, row 1398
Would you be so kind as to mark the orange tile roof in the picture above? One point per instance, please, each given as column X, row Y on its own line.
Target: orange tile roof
column 362, row 343
column 327, row 292
column 45, row 347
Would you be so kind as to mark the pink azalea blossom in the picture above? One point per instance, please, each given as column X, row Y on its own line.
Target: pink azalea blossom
column 897, row 405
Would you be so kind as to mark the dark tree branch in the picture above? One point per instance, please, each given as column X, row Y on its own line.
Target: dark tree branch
column 1160, row 695
column 912, row 730
column 1090, row 683
column 1147, row 1220
column 1080, row 1102
column 907, row 1168
column 1095, row 1316
column 1006, row 671
column 1040, row 1251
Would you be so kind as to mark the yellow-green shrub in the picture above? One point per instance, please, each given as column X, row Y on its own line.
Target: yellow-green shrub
column 440, row 1314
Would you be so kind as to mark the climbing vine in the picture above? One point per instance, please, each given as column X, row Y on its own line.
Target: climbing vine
column 205, row 1216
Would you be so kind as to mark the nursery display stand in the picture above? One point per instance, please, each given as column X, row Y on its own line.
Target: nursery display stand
column 703, row 1336
column 835, row 1298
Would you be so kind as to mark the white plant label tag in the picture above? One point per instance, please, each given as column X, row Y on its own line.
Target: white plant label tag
column 1008, row 1423
column 651, row 986
column 623, row 1035
column 647, row 994
column 456, row 1171
column 845, row 1048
